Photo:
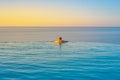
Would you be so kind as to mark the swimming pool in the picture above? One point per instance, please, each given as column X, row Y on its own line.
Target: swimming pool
column 44, row 60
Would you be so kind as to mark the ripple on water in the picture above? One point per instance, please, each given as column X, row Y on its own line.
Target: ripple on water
column 47, row 61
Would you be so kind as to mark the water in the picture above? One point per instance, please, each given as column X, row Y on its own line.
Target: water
column 100, row 34
column 30, row 54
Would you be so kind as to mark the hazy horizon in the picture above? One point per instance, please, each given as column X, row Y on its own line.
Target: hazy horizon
column 59, row 26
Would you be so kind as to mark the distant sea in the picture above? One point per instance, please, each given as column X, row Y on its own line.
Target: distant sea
column 82, row 34
column 28, row 53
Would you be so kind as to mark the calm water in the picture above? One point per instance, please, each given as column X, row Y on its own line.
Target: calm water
column 104, row 35
column 30, row 54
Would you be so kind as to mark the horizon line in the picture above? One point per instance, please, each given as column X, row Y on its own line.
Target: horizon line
column 56, row 26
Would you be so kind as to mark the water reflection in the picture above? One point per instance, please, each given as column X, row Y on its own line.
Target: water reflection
column 105, row 35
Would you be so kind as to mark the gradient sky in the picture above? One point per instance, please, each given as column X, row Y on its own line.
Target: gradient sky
column 59, row 12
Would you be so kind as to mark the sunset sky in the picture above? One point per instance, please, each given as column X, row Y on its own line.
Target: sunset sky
column 59, row 12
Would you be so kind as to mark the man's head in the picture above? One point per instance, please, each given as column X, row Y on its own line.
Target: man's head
column 60, row 38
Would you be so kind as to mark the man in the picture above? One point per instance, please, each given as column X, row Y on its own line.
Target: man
column 59, row 41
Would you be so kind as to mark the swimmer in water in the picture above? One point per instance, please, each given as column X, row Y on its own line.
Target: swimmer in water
column 60, row 41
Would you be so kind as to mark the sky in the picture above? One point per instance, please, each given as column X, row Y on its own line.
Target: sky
column 59, row 13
